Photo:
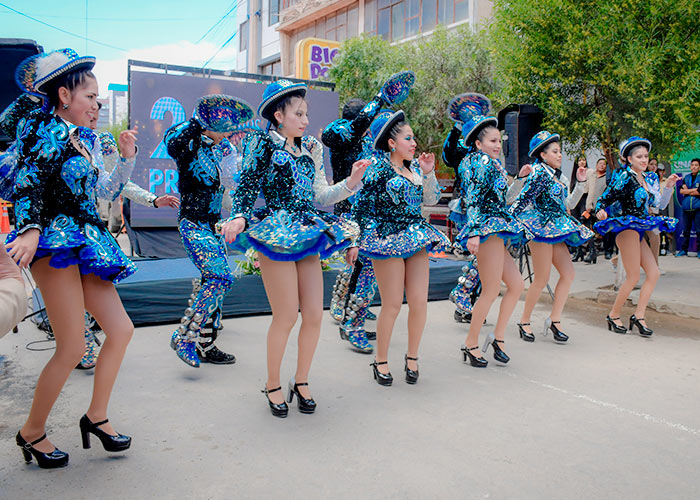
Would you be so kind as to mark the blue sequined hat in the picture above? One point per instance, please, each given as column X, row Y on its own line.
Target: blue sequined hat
column 36, row 71
column 471, row 128
column 382, row 125
column 465, row 106
column 397, row 87
column 631, row 143
column 540, row 140
column 276, row 91
column 222, row 113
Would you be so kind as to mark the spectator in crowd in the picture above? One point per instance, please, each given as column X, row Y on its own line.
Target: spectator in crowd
column 13, row 298
column 666, row 238
column 596, row 182
column 577, row 212
column 690, row 189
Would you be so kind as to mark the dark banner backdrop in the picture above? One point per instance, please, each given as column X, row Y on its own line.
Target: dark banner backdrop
column 158, row 101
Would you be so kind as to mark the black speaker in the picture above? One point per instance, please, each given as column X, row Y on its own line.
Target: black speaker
column 520, row 123
column 12, row 52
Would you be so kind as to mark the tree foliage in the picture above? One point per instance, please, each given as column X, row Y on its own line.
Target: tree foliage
column 604, row 70
column 446, row 63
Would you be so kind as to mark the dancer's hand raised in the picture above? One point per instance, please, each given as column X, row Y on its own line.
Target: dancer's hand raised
column 672, row 180
column 473, row 244
column 127, row 143
column 233, row 228
column 358, row 171
column 601, row 215
column 427, row 162
column 581, row 174
column 525, row 170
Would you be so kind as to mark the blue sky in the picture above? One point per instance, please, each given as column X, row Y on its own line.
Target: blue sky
column 151, row 30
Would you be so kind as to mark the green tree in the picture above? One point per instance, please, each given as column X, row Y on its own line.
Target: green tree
column 604, row 70
column 446, row 63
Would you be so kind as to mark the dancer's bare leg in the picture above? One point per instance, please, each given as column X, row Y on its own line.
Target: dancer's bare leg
column 630, row 254
column 491, row 256
column 310, row 279
column 281, row 287
column 542, row 255
column 103, row 302
column 416, row 281
column 390, row 274
column 62, row 292
column 561, row 258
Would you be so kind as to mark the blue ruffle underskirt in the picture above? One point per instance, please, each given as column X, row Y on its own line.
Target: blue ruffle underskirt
column 402, row 244
column 88, row 246
column 509, row 230
column 563, row 229
column 639, row 224
column 284, row 236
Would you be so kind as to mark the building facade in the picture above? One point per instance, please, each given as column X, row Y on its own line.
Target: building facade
column 270, row 29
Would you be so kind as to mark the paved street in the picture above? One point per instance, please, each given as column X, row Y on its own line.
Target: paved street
column 607, row 416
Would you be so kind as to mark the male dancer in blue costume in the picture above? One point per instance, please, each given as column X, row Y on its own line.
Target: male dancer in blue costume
column 204, row 157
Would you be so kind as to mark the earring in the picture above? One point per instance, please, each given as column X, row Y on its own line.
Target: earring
column 393, row 150
column 279, row 127
column 65, row 106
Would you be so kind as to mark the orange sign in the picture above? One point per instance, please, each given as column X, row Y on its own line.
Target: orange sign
column 314, row 57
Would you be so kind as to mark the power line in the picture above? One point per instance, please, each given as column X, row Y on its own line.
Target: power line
column 220, row 48
column 234, row 4
column 61, row 29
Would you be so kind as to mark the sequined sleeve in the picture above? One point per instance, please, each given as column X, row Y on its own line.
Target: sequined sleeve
column 183, row 139
column 531, row 189
column 575, row 196
column 431, row 189
column 18, row 109
column 256, row 163
column 323, row 193
column 40, row 142
column 229, row 164
column 364, row 207
column 652, row 181
column 613, row 191
column 478, row 179
column 110, row 183
column 110, row 159
column 340, row 134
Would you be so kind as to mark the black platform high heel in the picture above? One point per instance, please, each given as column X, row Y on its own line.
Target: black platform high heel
column 477, row 362
column 614, row 327
column 381, row 378
column 278, row 409
column 53, row 460
column 643, row 330
column 498, row 353
column 109, row 442
column 307, row 406
column 527, row 337
column 557, row 334
column 411, row 375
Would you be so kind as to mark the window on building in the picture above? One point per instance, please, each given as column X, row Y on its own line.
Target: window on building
column 243, row 35
column 398, row 19
column 370, row 16
column 273, row 68
column 273, row 12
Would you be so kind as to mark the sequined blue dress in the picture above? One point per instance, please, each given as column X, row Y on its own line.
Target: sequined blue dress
column 56, row 190
column 388, row 211
column 484, row 188
column 289, row 227
column 627, row 204
column 541, row 206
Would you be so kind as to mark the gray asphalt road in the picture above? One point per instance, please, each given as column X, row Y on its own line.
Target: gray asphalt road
column 607, row 416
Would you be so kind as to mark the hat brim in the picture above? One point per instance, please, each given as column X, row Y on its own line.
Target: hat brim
column 25, row 74
column 552, row 138
column 632, row 144
column 470, row 136
column 382, row 139
column 265, row 108
column 397, row 87
column 223, row 113
column 86, row 62
column 464, row 106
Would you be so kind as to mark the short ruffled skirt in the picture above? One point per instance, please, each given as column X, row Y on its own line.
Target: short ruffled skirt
column 640, row 224
column 292, row 236
column 508, row 229
column 90, row 247
column 402, row 244
column 562, row 229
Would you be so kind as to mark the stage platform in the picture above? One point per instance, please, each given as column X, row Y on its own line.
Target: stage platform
column 159, row 290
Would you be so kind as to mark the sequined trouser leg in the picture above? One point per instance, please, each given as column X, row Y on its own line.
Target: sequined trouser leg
column 468, row 287
column 89, row 359
column 340, row 293
column 207, row 251
column 361, row 290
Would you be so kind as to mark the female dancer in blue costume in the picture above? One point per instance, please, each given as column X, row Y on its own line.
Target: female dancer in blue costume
column 623, row 209
column 205, row 158
column 73, row 259
column 484, row 188
column 396, row 237
column 289, row 233
column 541, row 206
